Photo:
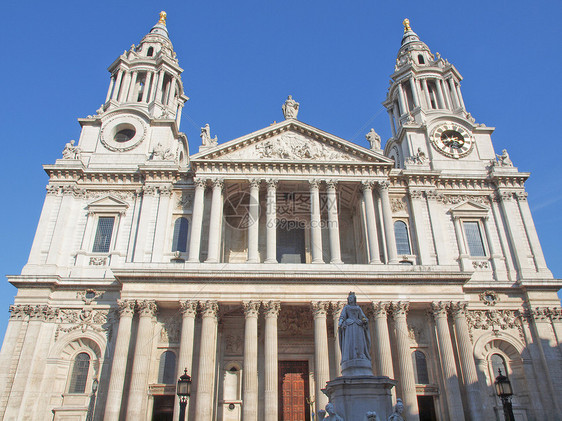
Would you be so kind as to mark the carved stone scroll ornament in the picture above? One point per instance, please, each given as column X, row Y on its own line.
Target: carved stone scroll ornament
column 89, row 295
column 19, row 312
column 397, row 204
column 494, row 319
column 43, row 312
column 294, row 321
column 170, row 332
column 83, row 320
column 147, row 308
column 489, row 297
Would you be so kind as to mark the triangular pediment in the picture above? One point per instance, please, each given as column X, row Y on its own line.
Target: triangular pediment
column 291, row 141
column 469, row 209
column 107, row 204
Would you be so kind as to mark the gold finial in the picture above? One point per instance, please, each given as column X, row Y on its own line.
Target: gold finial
column 162, row 18
column 406, row 24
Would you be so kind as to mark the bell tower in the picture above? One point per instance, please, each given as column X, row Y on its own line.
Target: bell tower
column 428, row 118
column 139, row 122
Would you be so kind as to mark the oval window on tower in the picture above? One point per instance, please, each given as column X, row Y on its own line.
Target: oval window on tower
column 124, row 135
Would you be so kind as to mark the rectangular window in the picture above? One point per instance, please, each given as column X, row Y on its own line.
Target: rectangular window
column 103, row 234
column 474, row 238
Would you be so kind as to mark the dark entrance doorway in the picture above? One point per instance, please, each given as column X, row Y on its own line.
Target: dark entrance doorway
column 427, row 408
column 290, row 243
column 293, row 391
column 163, row 408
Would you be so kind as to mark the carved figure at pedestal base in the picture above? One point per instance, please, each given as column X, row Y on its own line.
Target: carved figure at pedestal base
column 397, row 413
column 329, row 414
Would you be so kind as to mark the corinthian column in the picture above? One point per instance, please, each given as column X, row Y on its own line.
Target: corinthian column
column 271, row 309
column 188, row 310
column 405, row 363
column 250, row 385
column 333, row 223
column 321, row 359
column 382, row 340
column 315, row 222
column 336, row 313
column 207, row 355
column 138, row 397
column 387, row 222
column 452, row 391
column 271, row 222
column 215, row 222
column 464, row 345
column 197, row 220
column 253, row 221
column 120, row 357
column 372, row 237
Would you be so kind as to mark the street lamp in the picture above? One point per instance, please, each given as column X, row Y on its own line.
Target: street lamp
column 92, row 405
column 183, row 392
column 504, row 392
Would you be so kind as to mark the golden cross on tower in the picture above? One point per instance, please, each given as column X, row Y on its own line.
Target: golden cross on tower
column 162, row 18
column 406, row 24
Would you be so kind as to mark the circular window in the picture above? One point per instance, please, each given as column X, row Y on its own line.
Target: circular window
column 124, row 135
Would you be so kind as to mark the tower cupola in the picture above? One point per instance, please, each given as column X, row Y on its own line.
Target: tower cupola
column 147, row 77
column 423, row 86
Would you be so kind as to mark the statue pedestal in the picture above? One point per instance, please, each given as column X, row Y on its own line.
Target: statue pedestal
column 354, row 396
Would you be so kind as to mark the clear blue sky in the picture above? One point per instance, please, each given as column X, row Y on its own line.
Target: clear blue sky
column 243, row 58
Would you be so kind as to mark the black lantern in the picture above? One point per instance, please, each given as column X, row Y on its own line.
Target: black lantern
column 504, row 392
column 183, row 392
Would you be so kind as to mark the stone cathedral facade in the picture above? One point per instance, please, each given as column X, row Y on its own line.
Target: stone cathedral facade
column 234, row 262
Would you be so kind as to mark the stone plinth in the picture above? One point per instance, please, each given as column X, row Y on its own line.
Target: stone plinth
column 354, row 396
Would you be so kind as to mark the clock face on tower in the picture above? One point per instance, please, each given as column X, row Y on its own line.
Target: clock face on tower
column 452, row 140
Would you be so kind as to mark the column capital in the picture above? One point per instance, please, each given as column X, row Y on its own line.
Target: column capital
column 319, row 308
column 200, row 182
column 383, row 184
column 439, row 309
column 314, row 184
column 42, row 312
column 458, row 309
column 416, row 194
column 337, row 307
column 126, row 308
column 331, row 185
column 272, row 183
column 521, row 196
column 271, row 308
column 255, row 183
column 210, row 308
column 380, row 309
column 218, row 183
column 188, row 308
column 251, row 308
column 19, row 312
column 147, row 308
column 400, row 308
column 367, row 185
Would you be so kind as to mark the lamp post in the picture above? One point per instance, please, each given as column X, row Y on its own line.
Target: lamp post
column 504, row 392
column 183, row 392
column 92, row 405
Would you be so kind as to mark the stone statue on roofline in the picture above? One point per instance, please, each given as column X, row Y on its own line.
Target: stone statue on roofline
column 70, row 151
column 206, row 136
column 504, row 160
column 374, row 140
column 290, row 108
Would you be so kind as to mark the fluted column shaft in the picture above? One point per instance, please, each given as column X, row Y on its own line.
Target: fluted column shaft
column 271, row 396
column 336, row 313
column 382, row 340
column 17, row 316
column 111, row 84
column 417, row 203
column 402, row 100
column 253, row 221
column 387, row 222
column 146, row 87
column 250, row 379
column 117, row 86
column 120, row 357
column 414, row 89
column 405, row 363
column 207, row 357
column 452, row 390
column 197, row 220
column 215, row 222
column 469, row 374
column 131, row 96
column 188, row 310
column 372, row 236
column 333, row 223
column 321, row 359
column 315, row 222
column 271, row 222
column 440, row 94
column 138, row 398
column 426, row 93
column 531, row 231
column 452, row 86
column 463, row 254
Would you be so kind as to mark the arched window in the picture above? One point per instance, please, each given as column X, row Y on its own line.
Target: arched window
column 402, row 238
column 422, row 375
column 497, row 362
column 79, row 374
column 167, row 369
column 420, row 59
column 179, row 242
column 150, row 51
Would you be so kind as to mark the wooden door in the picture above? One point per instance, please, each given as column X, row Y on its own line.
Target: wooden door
column 293, row 391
